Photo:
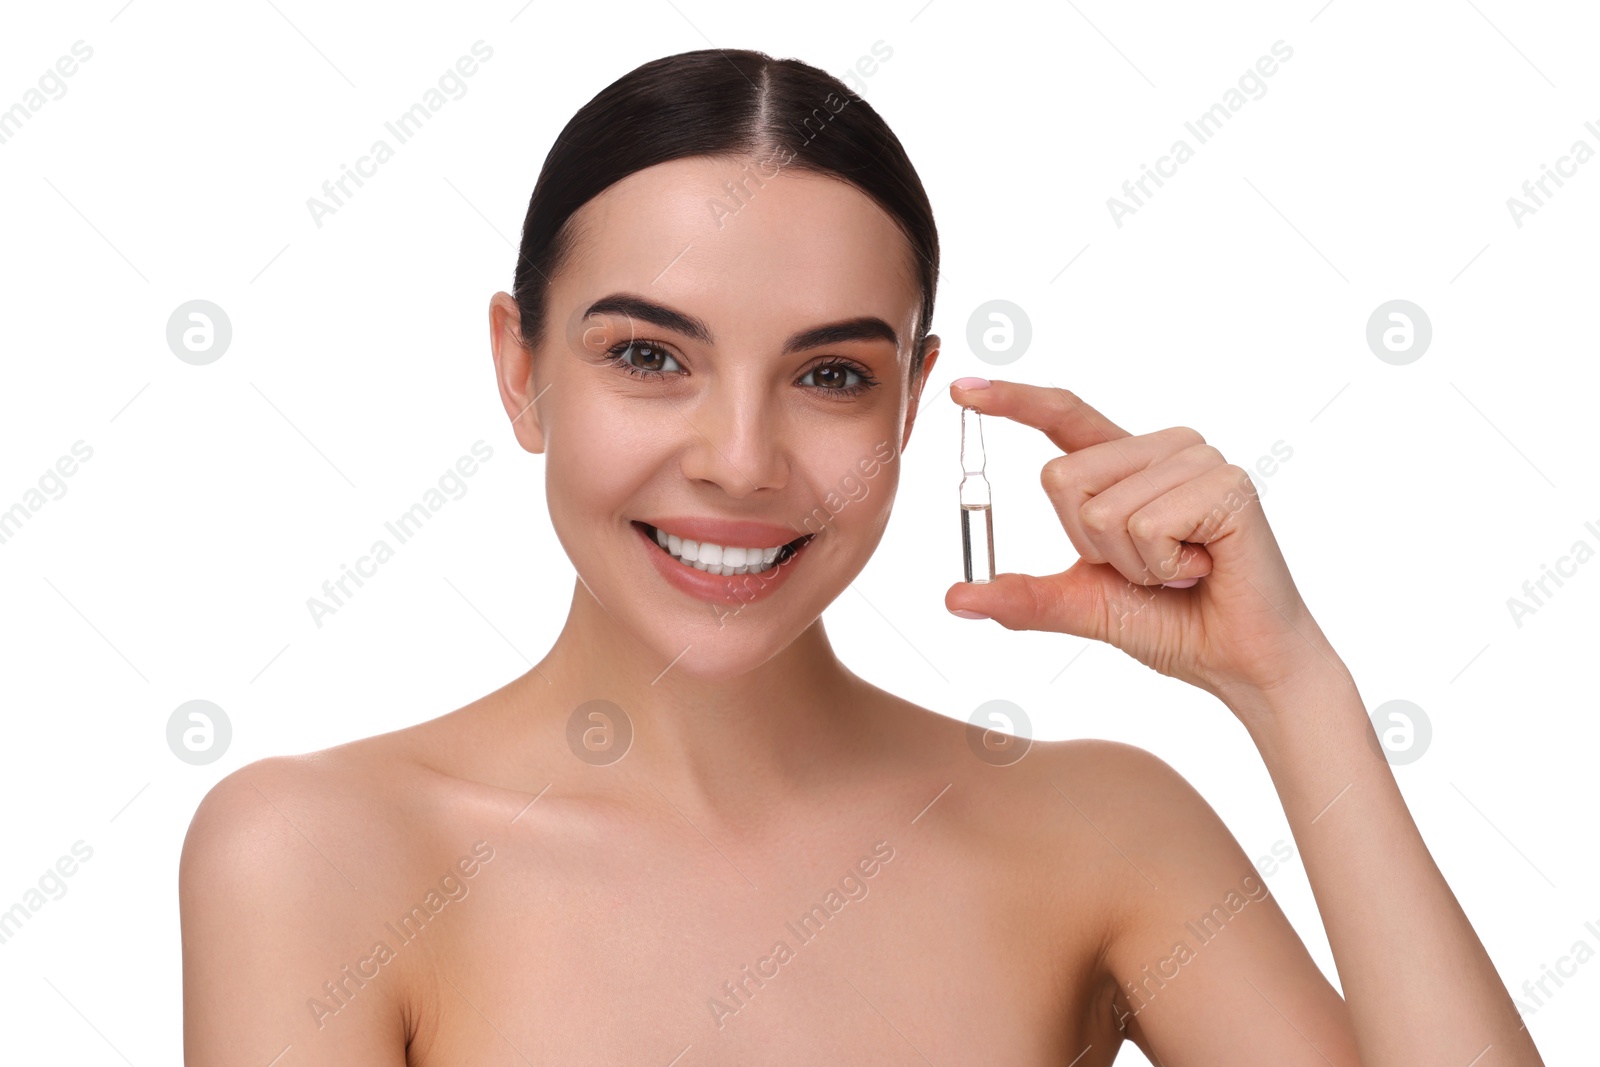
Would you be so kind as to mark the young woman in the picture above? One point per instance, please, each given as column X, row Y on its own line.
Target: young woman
column 691, row 835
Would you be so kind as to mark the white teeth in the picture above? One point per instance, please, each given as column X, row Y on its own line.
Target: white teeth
column 723, row 560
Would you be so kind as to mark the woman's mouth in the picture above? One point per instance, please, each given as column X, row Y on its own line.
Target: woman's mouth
column 722, row 560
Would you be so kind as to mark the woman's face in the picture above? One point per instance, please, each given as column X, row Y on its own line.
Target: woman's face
column 685, row 383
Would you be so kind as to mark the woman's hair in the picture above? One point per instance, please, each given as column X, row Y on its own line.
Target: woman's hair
column 731, row 103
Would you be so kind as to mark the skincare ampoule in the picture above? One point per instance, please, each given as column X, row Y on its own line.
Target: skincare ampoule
column 977, row 522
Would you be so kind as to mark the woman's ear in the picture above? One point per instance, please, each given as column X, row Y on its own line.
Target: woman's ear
column 513, row 368
column 931, row 345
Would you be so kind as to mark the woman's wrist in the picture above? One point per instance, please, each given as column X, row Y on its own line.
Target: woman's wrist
column 1317, row 684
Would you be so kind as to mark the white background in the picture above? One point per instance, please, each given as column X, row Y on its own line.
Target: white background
column 177, row 564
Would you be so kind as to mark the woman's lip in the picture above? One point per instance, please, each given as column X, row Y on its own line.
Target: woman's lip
column 730, row 533
column 739, row 589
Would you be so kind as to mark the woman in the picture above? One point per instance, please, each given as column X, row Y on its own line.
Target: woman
column 690, row 835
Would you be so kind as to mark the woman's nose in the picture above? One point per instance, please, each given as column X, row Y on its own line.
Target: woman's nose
column 737, row 444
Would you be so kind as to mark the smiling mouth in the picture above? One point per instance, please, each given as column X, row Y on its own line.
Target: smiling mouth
column 715, row 559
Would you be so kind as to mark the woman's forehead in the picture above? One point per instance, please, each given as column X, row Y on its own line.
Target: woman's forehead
column 792, row 245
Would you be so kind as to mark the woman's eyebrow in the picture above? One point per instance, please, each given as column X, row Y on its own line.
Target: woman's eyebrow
column 863, row 328
column 636, row 307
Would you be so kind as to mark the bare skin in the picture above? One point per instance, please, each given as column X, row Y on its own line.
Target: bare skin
column 971, row 906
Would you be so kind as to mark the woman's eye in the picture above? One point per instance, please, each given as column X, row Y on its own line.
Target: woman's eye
column 647, row 359
column 650, row 358
column 833, row 377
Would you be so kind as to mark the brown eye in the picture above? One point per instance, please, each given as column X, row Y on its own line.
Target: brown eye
column 650, row 357
column 831, row 376
column 647, row 361
column 835, row 378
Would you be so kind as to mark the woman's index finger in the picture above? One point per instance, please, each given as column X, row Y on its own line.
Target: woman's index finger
column 1063, row 416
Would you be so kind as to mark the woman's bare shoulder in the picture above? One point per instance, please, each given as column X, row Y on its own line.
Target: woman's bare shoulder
column 344, row 814
column 1100, row 768
column 1061, row 798
column 1125, row 794
column 1116, row 769
column 289, row 867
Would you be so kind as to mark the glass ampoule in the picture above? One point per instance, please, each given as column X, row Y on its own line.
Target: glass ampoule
column 977, row 520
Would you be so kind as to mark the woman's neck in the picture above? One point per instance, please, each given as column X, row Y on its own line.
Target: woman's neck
column 712, row 745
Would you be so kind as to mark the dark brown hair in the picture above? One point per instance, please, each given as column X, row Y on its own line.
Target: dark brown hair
column 729, row 103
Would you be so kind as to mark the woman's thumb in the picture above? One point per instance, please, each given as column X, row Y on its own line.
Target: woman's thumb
column 1071, row 602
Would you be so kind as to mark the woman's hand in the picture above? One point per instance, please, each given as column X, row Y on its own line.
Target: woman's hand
column 1137, row 510
column 1165, row 506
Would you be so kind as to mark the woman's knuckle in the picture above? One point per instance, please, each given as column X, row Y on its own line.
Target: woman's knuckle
column 1144, row 526
column 1055, row 474
column 1095, row 516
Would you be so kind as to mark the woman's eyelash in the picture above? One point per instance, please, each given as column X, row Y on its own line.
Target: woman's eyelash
column 615, row 356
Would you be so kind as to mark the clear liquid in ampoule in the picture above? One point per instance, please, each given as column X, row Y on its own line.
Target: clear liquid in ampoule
column 977, row 541
column 977, row 518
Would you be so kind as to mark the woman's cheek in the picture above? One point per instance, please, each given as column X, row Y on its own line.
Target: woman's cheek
column 593, row 460
column 858, row 487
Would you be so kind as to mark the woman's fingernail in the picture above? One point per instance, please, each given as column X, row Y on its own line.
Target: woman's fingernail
column 972, row 383
column 965, row 614
column 1181, row 583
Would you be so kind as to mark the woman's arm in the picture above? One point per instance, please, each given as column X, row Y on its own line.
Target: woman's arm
column 267, row 920
column 1420, row 987
column 1208, row 968
column 1179, row 569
